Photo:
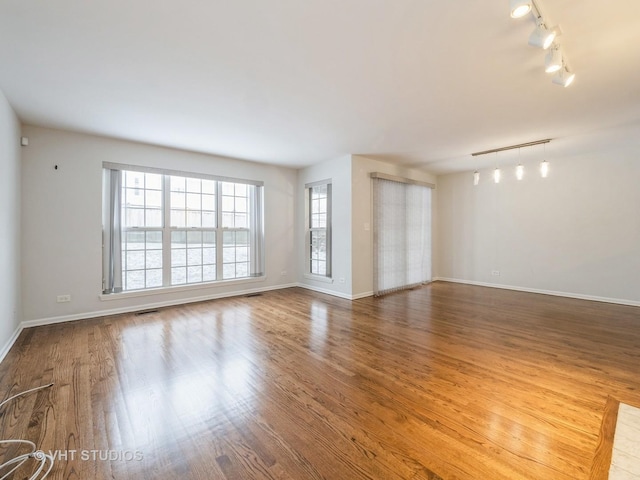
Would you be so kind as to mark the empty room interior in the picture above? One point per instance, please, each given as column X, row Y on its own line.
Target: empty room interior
column 281, row 239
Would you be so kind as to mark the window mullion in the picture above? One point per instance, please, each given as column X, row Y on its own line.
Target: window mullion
column 219, row 239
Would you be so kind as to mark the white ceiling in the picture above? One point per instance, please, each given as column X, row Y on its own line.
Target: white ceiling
column 295, row 82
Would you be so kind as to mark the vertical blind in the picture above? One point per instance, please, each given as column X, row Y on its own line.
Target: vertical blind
column 402, row 234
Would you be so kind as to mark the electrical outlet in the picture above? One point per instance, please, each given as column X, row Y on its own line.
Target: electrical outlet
column 63, row 298
column 495, row 273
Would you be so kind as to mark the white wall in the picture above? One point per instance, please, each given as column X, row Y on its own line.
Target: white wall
column 576, row 232
column 339, row 172
column 10, row 312
column 362, row 238
column 62, row 231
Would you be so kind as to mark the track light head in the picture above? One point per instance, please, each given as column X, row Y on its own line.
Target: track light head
column 519, row 8
column 564, row 77
column 553, row 60
column 542, row 37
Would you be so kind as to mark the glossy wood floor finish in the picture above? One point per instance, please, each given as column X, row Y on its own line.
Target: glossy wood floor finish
column 450, row 381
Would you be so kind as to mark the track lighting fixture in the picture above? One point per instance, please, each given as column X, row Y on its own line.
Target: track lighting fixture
column 553, row 60
column 544, row 37
column 519, row 8
column 564, row 77
column 497, row 173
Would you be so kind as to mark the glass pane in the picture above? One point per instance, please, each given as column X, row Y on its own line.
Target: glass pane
column 209, row 255
column 208, row 202
column 227, row 204
column 178, row 184
column 227, row 188
column 208, row 273
column 241, row 204
column 227, row 220
column 178, row 200
column 194, row 238
column 133, row 197
column 241, row 190
column 134, row 217
column 208, row 186
column 322, row 268
column 194, row 201
column 178, row 257
column 134, row 241
column 209, row 239
column 153, row 217
column 134, row 280
column 178, row 239
column 242, row 238
column 208, row 219
column 154, row 239
column 242, row 270
column 229, row 271
column 154, row 259
column 135, row 260
column 242, row 254
column 178, row 218
column 241, row 220
column 228, row 238
column 194, row 219
column 194, row 274
column 153, row 181
column 228, row 255
column 134, row 179
column 178, row 276
column 154, row 278
column 193, row 185
column 194, row 256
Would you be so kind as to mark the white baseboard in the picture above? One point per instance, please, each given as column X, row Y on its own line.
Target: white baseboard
column 578, row 296
column 7, row 346
column 346, row 296
column 147, row 306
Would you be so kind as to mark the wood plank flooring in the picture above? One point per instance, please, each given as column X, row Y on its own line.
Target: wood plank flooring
column 445, row 381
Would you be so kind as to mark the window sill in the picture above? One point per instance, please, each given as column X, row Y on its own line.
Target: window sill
column 318, row 278
column 178, row 288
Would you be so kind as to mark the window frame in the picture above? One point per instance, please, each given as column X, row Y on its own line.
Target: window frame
column 310, row 229
column 253, row 226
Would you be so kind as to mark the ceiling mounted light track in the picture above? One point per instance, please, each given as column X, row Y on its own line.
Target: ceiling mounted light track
column 545, row 37
column 497, row 173
column 512, row 147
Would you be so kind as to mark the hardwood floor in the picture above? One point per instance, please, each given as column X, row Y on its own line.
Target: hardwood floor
column 450, row 381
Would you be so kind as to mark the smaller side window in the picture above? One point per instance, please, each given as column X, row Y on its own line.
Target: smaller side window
column 319, row 229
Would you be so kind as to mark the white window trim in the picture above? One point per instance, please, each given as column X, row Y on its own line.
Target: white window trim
column 179, row 288
column 307, row 273
column 167, row 288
